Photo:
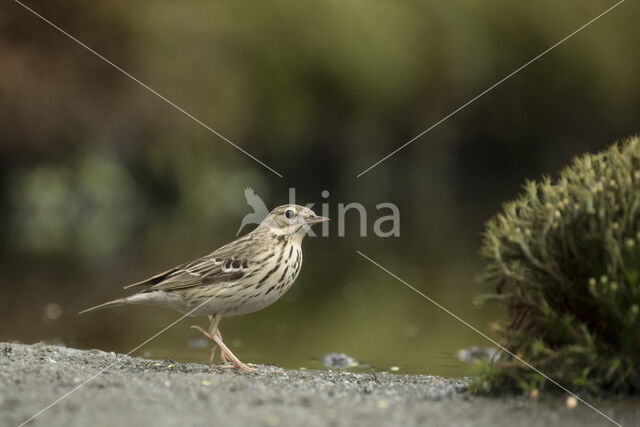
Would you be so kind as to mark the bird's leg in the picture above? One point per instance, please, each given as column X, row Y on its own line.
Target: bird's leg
column 225, row 354
column 213, row 329
column 206, row 334
column 217, row 338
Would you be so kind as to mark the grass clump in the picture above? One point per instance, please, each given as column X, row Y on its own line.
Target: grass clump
column 565, row 257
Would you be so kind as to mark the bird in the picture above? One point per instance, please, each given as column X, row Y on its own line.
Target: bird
column 259, row 213
column 241, row 277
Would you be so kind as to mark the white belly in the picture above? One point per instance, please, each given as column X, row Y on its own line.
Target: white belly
column 261, row 295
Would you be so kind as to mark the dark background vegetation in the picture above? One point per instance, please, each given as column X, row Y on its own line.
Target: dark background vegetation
column 102, row 183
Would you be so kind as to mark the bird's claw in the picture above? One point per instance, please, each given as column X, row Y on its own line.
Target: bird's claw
column 241, row 366
column 223, row 356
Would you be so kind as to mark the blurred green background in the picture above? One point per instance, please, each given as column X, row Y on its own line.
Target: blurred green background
column 103, row 184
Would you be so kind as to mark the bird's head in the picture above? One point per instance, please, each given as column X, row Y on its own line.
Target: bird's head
column 293, row 220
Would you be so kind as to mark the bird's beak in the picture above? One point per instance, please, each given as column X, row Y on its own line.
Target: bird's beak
column 316, row 219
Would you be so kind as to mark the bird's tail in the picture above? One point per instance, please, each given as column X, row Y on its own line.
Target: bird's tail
column 108, row 304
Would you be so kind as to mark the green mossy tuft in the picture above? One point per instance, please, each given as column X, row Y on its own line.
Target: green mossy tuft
column 565, row 257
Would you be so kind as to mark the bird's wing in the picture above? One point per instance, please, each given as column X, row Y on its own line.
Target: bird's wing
column 227, row 264
column 155, row 279
column 255, row 201
column 201, row 272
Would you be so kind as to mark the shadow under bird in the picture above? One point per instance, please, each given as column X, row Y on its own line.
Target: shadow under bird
column 241, row 277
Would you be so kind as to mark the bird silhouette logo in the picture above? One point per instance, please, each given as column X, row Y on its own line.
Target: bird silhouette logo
column 260, row 210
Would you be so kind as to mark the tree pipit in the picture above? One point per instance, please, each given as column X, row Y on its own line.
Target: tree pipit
column 241, row 277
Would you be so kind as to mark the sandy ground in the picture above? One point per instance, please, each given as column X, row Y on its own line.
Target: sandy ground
column 165, row 393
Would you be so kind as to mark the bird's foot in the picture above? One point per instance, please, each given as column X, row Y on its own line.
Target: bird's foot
column 215, row 346
column 225, row 354
column 228, row 356
column 239, row 365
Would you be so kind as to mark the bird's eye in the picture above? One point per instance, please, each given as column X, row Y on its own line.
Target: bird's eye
column 289, row 214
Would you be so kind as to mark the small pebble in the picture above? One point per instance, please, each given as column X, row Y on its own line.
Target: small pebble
column 338, row 361
column 474, row 353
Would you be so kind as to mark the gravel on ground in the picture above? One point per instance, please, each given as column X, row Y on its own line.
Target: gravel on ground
column 97, row 388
